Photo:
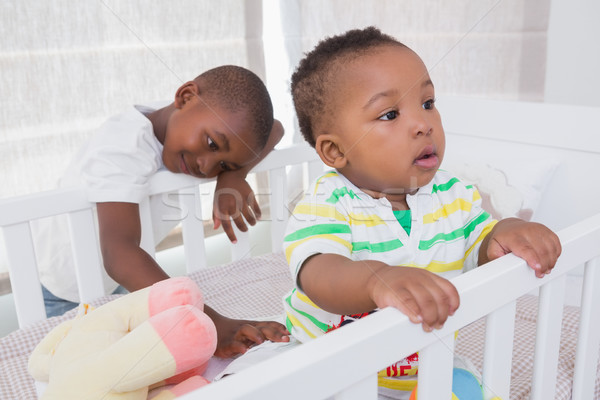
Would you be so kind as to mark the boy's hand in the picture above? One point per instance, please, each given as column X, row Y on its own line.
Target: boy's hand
column 421, row 295
column 233, row 199
column 237, row 336
column 233, row 195
column 533, row 242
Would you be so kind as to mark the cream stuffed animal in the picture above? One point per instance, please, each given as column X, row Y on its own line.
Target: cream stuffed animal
column 155, row 336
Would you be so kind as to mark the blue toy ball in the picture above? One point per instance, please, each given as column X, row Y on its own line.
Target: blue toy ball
column 465, row 386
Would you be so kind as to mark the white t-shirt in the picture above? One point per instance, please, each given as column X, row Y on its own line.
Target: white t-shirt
column 115, row 166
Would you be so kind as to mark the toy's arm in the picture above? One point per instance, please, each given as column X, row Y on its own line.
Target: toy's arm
column 39, row 360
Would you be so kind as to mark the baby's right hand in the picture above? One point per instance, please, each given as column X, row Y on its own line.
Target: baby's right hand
column 421, row 295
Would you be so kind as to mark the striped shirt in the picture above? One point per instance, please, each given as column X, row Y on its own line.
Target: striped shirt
column 335, row 217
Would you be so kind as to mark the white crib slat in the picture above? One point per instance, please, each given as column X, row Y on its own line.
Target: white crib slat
column 545, row 364
column 365, row 389
column 589, row 333
column 241, row 249
column 192, row 228
column 86, row 255
column 435, row 369
column 22, row 267
column 278, row 204
column 147, row 240
column 315, row 169
column 497, row 359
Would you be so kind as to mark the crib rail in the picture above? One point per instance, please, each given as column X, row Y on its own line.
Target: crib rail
column 343, row 363
column 16, row 215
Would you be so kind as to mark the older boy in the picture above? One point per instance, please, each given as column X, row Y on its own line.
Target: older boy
column 386, row 227
column 220, row 124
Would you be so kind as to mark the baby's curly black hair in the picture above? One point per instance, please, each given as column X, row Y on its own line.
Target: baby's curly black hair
column 239, row 89
column 315, row 76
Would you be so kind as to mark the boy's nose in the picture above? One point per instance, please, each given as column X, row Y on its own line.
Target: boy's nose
column 208, row 166
column 213, row 170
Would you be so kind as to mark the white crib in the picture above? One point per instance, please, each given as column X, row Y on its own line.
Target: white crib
column 343, row 364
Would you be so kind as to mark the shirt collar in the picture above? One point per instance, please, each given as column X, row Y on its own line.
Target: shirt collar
column 423, row 190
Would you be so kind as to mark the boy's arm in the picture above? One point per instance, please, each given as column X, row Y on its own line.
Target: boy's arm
column 233, row 196
column 128, row 264
column 533, row 242
column 124, row 260
column 342, row 286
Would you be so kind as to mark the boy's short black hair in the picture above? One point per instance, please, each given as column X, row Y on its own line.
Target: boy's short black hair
column 238, row 89
column 314, row 78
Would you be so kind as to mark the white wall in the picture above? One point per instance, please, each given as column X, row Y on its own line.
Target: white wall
column 573, row 54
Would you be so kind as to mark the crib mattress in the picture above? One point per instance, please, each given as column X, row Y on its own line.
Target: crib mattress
column 253, row 289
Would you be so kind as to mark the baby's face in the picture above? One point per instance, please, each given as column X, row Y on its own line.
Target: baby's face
column 203, row 140
column 389, row 127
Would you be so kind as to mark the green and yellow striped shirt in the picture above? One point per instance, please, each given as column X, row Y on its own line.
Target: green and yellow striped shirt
column 446, row 229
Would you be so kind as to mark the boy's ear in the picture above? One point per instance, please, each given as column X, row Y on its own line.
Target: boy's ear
column 185, row 93
column 330, row 151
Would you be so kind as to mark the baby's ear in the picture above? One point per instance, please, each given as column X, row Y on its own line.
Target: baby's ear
column 329, row 150
column 185, row 93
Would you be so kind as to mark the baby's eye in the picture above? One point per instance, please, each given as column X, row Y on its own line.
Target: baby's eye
column 429, row 104
column 211, row 144
column 390, row 115
column 224, row 166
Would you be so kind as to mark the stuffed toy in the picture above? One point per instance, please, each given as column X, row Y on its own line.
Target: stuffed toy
column 146, row 339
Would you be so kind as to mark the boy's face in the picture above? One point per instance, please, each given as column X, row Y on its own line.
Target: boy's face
column 385, row 120
column 203, row 140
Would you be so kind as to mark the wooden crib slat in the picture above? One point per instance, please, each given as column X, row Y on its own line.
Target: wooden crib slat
column 41, row 205
column 545, row 364
column 86, row 255
column 241, row 249
column 278, row 204
column 22, row 267
column 296, row 154
column 497, row 359
column 586, row 358
column 435, row 369
column 192, row 229
column 315, row 169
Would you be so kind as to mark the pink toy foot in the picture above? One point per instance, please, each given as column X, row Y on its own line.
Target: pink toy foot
column 189, row 335
column 174, row 292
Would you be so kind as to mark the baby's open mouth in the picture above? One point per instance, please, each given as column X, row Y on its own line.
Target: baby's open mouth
column 427, row 159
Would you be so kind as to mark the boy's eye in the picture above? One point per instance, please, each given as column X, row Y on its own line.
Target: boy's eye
column 390, row 115
column 429, row 104
column 224, row 166
column 212, row 145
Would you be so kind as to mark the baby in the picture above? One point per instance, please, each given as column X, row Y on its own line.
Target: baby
column 386, row 227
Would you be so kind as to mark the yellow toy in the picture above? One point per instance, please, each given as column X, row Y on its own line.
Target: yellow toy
column 146, row 339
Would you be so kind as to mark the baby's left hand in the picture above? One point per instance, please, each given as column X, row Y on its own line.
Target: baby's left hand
column 533, row 242
column 237, row 336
